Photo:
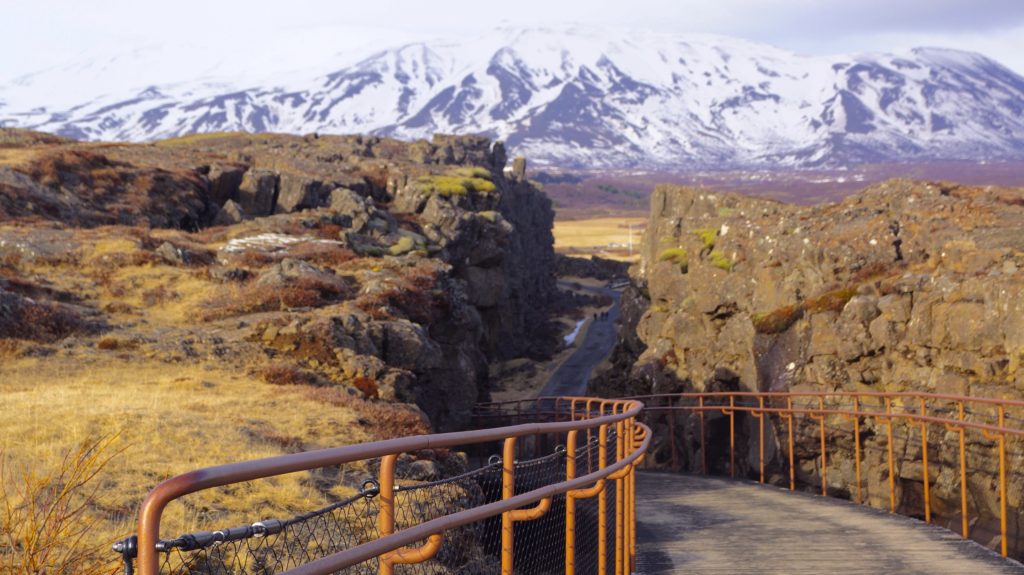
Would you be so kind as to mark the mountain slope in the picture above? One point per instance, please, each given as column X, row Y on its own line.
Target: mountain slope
column 599, row 98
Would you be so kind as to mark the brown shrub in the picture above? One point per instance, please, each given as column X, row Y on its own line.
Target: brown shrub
column 777, row 321
column 253, row 259
column 75, row 168
column 386, row 420
column 320, row 253
column 328, row 231
column 871, row 272
column 158, row 295
column 113, row 343
column 286, row 374
column 781, row 319
column 415, row 296
column 303, row 292
column 117, row 260
column 9, row 347
column 21, row 318
column 834, row 300
column 367, row 386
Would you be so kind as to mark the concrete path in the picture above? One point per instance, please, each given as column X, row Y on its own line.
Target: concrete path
column 693, row 524
column 572, row 376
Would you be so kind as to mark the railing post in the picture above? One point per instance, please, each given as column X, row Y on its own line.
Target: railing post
column 570, row 505
column 732, row 435
column 892, row 467
column 602, row 502
column 703, row 442
column 963, row 474
column 759, row 414
column 633, row 501
column 1002, row 477
column 964, row 527
column 590, row 462
column 924, row 464
column 386, row 498
column 856, row 442
column 508, row 466
column 619, row 499
column 1000, row 438
column 824, row 454
column 386, row 524
column 792, row 452
column 672, row 434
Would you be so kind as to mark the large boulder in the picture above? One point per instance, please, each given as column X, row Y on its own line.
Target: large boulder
column 257, row 194
column 224, row 183
column 229, row 214
column 298, row 192
column 349, row 203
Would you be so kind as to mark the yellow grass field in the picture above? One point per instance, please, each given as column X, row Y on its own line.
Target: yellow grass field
column 167, row 420
column 605, row 237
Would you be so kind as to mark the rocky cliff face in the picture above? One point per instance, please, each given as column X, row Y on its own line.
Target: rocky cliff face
column 393, row 270
column 906, row 286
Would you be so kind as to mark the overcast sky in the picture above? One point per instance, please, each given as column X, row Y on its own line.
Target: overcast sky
column 42, row 34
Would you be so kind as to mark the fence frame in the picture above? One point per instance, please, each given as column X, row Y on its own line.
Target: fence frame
column 633, row 441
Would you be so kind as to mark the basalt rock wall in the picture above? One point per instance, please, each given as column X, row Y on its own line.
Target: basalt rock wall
column 906, row 286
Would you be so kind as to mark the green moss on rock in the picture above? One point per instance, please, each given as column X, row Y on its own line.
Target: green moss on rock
column 720, row 260
column 677, row 256
column 707, row 237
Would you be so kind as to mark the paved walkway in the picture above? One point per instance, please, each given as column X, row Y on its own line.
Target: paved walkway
column 572, row 376
column 693, row 524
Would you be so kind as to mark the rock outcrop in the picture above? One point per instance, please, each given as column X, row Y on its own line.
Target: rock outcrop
column 393, row 270
column 906, row 286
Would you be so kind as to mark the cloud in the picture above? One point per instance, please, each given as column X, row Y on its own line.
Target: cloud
column 823, row 19
column 47, row 33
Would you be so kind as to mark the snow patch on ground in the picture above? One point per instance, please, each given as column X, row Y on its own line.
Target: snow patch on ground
column 571, row 338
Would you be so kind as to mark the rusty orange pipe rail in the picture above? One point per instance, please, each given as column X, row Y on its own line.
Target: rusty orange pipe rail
column 924, row 406
column 392, row 547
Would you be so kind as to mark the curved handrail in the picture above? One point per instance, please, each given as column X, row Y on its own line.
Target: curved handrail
column 621, row 412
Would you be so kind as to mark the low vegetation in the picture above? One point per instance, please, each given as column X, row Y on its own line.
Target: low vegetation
column 781, row 319
column 719, row 260
column 707, row 237
column 46, row 520
column 459, row 182
column 256, row 297
column 677, row 256
column 778, row 320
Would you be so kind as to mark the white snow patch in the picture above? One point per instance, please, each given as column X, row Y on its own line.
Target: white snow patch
column 569, row 339
column 270, row 242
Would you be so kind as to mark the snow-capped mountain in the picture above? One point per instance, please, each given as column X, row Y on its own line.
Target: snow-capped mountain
column 596, row 98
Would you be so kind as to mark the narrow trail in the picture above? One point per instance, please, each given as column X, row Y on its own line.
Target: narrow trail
column 572, row 376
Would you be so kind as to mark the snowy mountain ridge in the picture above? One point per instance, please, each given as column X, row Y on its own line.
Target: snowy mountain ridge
column 577, row 97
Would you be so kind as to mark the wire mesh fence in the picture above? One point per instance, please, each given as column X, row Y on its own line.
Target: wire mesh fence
column 277, row 545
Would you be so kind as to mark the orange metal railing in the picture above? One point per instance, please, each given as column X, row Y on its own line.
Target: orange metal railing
column 960, row 415
column 550, row 420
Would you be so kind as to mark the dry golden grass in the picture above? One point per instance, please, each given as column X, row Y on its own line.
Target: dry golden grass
column 45, row 522
column 196, row 138
column 605, row 237
column 10, row 157
column 169, row 420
